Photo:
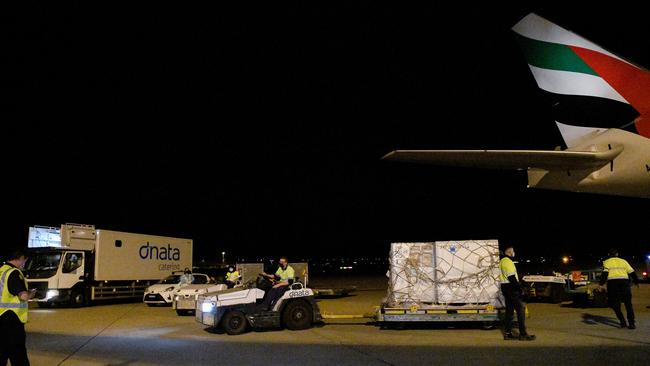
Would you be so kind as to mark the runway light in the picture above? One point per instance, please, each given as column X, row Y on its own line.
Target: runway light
column 648, row 257
column 565, row 260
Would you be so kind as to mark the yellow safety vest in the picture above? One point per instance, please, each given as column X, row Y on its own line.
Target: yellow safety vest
column 507, row 267
column 10, row 302
column 285, row 274
column 618, row 268
column 232, row 276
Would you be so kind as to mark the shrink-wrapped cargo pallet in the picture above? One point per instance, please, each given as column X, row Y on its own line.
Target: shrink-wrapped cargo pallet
column 444, row 273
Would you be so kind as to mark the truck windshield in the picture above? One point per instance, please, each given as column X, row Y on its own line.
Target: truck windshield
column 170, row 280
column 42, row 265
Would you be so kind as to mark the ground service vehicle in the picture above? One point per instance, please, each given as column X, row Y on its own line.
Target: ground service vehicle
column 552, row 288
column 162, row 293
column 584, row 289
column 78, row 264
column 184, row 298
column 236, row 310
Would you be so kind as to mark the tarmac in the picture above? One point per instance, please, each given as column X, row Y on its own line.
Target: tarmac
column 135, row 334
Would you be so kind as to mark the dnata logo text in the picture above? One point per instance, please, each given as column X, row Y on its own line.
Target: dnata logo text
column 160, row 253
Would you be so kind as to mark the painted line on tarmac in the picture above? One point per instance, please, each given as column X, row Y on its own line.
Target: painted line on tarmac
column 96, row 335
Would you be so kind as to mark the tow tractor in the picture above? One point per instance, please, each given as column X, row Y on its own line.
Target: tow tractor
column 237, row 310
column 552, row 288
column 584, row 288
column 185, row 298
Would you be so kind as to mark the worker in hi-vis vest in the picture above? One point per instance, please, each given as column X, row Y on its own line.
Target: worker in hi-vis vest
column 617, row 273
column 512, row 293
column 13, row 310
column 282, row 278
column 232, row 277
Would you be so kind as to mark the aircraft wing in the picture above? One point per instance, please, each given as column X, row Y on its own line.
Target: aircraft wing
column 508, row 159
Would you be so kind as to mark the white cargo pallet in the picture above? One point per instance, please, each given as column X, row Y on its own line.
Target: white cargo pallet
column 443, row 281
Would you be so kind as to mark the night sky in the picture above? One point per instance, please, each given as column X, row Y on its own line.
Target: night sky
column 259, row 130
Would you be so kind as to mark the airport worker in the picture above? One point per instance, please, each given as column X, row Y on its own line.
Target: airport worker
column 282, row 278
column 13, row 310
column 617, row 272
column 187, row 278
column 512, row 293
column 232, row 277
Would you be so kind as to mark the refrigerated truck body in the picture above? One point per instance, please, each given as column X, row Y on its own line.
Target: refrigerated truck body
column 78, row 264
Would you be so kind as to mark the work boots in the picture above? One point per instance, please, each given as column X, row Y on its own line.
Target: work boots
column 624, row 324
column 631, row 326
column 508, row 336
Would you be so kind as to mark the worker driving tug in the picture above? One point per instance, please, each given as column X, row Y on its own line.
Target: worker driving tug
column 281, row 280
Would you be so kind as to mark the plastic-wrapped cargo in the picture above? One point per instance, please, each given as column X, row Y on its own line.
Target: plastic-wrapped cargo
column 444, row 273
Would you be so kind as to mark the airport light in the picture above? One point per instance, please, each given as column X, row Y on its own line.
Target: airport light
column 223, row 257
column 565, row 260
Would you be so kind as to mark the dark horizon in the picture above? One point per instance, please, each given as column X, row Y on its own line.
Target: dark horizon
column 252, row 132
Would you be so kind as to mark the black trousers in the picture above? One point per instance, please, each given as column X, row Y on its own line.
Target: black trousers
column 12, row 346
column 272, row 295
column 619, row 291
column 514, row 303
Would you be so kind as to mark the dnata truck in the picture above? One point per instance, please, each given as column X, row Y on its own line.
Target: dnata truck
column 78, row 264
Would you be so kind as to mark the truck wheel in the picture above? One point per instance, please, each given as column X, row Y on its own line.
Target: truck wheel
column 234, row 322
column 77, row 298
column 297, row 315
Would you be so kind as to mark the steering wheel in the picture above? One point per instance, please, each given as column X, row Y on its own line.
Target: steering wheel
column 263, row 282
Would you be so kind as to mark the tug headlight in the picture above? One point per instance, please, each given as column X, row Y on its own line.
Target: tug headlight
column 207, row 307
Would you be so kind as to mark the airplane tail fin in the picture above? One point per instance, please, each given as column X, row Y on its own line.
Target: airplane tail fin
column 564, row 63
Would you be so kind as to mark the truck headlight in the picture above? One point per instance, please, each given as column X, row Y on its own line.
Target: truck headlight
column 51, row 293
column 207, row 307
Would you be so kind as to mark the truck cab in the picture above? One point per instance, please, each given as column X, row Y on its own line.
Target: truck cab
column 57, row 275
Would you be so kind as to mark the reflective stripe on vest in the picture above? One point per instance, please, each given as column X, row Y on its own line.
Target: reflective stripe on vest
column 11, row 305
column 8, row 301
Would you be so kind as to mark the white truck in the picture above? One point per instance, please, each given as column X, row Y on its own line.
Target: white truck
column 78, row 264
